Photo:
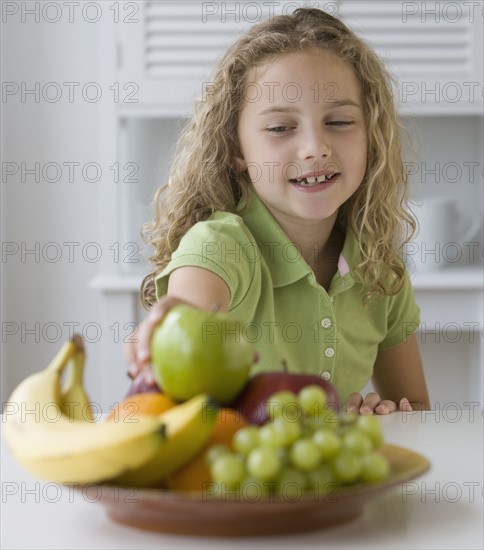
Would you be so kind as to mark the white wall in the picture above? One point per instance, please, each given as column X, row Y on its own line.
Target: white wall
column 36, row 292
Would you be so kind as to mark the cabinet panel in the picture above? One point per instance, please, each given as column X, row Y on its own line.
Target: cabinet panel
column 171, row 56
column 413, row 39
column 148, row 144
column 447, row 312
column 433, row 49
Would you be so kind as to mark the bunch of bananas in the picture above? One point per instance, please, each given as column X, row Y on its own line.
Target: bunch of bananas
column 50, row 429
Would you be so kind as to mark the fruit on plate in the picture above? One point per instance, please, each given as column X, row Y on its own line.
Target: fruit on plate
column 289, row 457
column 188, row 427
column 52, row 445
column 138, row 404
column 195, row 475
column 252, row 401
column 75, row 402
column 195, row 351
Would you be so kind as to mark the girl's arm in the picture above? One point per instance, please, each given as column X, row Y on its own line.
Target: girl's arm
column 399, row 381
column 190, row 285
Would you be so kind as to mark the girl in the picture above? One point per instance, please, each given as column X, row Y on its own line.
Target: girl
column 286, row 206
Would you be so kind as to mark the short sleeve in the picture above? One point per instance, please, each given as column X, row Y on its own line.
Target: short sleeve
column 224, row 246
column 403, row 316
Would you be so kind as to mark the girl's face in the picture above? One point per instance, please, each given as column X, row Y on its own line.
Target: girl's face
column 302, row 135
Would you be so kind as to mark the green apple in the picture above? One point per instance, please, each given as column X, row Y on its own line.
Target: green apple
column 195, row 351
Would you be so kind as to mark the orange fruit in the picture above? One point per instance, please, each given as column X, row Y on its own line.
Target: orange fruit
column 196, row 474
column 140, row 403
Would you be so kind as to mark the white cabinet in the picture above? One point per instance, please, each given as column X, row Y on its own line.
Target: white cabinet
column 175, row 48
column 433, row 48
column 162, row 61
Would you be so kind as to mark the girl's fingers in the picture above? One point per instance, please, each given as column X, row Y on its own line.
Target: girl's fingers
column 404, row 405
column 129, row 349
column 145, row 332
column 354, row 402
column 142, row 345
column 385, row 407
column 369, row 403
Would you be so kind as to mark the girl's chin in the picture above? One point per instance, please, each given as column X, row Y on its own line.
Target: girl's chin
column 315, row 214
column 303, row 209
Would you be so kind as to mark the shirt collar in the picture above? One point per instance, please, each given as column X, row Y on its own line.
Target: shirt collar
column 349, row 258
column 283, row 259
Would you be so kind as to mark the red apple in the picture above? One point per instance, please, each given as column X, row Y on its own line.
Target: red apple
column 251, row 403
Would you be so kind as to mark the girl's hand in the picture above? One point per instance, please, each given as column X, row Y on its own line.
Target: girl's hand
column 137, row 350
column 200, row 288
column 372, row 404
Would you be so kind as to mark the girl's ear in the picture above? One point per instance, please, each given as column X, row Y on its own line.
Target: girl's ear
column 240, row 164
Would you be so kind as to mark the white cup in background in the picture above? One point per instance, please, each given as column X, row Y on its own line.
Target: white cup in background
column 441, row 236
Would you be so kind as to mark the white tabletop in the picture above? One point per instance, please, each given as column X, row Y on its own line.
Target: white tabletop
column 441, row 509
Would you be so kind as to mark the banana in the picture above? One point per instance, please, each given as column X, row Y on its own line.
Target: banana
column 188, row 427
column 75, row 402
column 51, row 445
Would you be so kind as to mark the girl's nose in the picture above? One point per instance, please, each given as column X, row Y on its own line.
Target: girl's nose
column 314, row 144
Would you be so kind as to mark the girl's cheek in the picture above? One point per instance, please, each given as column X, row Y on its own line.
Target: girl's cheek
column 254, row 172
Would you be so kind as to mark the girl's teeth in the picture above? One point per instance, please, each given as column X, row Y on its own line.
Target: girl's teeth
column 313, row 180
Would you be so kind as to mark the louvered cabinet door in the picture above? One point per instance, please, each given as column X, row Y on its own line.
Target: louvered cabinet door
column 172, row 52
column 434, row 49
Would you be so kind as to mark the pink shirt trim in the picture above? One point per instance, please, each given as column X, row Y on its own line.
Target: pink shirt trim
column 343, row 266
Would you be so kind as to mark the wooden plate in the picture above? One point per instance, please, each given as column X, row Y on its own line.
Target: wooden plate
column 200, row 514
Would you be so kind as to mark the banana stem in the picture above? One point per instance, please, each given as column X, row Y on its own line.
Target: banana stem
column 78, row 341
column 62, row 357
column 77, row 368
column 78, row 358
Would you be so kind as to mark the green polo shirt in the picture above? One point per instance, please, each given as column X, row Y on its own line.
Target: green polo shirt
column 282, row 308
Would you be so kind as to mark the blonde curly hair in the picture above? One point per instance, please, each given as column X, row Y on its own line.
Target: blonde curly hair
column 204, row 177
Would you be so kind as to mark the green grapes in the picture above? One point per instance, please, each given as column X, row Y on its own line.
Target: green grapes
column 346, row 466
column 305, row 454
column 357, row 441
column 227, row 469
column 246, row 439
column 282, row 403
column 269, row 436
column 374, row 467
column 312, row 400
column 328, row 443
column 290, row 431
column 291, row 483
column 214, row 452
column 263, row 463
column 371, row 426
column 322, row 479
column 305, row 449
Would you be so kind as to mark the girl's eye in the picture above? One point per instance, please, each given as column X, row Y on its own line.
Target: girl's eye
column 278, row 129
column 341, row 122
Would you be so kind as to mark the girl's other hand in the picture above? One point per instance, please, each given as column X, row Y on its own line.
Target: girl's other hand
column 373, row 404
column 137, row 349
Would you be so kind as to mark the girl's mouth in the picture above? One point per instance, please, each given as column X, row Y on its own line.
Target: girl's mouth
column 314, row 181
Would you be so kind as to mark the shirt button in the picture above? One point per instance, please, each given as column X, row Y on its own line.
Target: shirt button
column 326, row 375
column 329, row 352
column 326, row 322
